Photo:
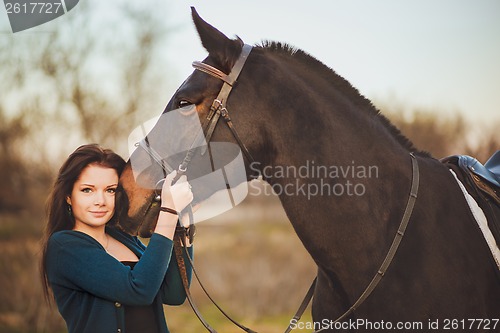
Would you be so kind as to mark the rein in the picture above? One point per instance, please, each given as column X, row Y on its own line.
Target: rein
column 412, row 198
column 392, row 250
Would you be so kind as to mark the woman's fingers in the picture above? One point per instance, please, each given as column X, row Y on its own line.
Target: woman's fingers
column 178, row 195
column 169, row 178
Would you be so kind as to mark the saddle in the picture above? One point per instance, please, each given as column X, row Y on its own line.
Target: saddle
column 482, row 182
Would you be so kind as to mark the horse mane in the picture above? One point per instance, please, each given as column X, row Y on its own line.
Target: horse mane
column 344, row 87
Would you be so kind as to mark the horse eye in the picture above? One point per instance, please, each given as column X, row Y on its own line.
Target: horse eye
column 186, row 108
column 183, row 103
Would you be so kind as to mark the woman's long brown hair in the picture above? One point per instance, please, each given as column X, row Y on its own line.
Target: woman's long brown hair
column 58, row 216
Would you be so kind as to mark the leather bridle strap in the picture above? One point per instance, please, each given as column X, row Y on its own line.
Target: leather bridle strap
column 218, row 107
column 235, row 71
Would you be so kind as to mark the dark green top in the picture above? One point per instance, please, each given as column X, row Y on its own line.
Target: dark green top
column 91, row 287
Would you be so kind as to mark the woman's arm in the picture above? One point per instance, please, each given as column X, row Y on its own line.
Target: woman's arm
column 76, row 261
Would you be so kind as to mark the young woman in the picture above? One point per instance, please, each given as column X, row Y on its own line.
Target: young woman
column 104, row 280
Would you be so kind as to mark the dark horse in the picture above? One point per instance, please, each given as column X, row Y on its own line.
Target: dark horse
column 291, row 110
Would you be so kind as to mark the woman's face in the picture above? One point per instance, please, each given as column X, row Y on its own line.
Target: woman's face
column 92, row 199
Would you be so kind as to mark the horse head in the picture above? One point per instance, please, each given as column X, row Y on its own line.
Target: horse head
column 195, row 96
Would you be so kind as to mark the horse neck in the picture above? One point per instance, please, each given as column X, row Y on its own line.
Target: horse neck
column 347, row 233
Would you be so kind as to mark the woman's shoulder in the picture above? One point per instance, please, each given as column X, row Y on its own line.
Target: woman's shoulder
column 65, row 245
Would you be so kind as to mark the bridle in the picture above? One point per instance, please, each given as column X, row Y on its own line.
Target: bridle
column 218, row 109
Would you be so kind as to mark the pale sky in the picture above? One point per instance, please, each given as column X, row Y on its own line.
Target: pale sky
column 442, row 54
column 431, row 54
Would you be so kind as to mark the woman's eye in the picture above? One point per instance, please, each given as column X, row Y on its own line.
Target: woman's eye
column 111, row 190
column 86, row 190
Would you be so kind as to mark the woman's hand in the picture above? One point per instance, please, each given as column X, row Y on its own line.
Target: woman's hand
column 175, row 197
column 184, row 221
column 178, row 195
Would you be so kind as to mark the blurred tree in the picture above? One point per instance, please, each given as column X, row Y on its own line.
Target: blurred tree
column 92, row 77
column 444, row 134
column 12, row 131
column 437, row 134
column 88, row 80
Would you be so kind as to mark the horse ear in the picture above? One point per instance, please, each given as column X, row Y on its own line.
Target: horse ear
column 222, row 49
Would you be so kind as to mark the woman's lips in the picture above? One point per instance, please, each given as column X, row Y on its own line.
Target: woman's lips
column 99, row 214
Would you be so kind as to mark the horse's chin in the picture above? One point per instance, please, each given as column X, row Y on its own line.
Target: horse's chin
column 147, row 223
column 139, row 212
column 141, row 221
column 142, row 224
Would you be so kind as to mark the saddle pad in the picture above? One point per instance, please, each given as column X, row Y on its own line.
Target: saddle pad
column 480, row 218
